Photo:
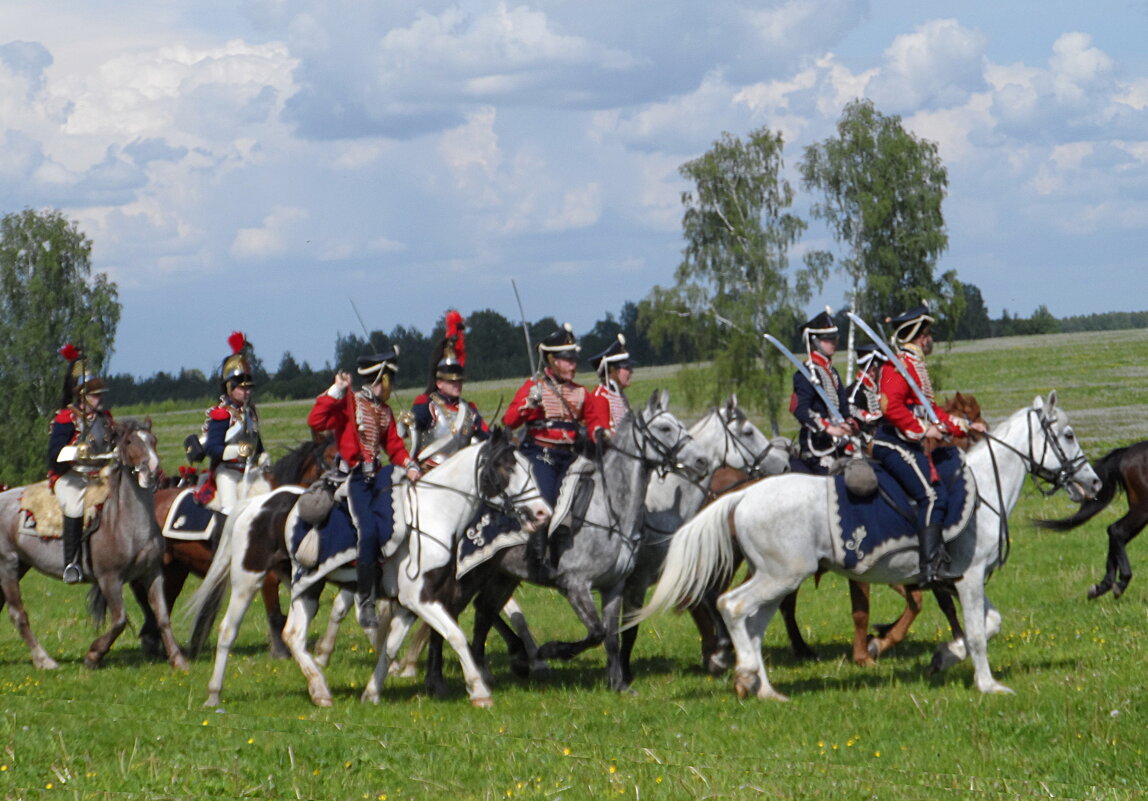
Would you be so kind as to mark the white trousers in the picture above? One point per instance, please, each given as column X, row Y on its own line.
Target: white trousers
column 70, row 490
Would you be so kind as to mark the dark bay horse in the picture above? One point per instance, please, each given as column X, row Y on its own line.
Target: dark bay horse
column 1127, row 469
column 182, row 558
column 125, row 547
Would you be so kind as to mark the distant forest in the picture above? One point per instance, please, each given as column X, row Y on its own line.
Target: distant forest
column 496, row 348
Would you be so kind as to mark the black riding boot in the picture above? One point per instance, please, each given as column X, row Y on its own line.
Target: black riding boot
column 932, row 555
column 73, row 536
column 367, row 593
column 539, row 567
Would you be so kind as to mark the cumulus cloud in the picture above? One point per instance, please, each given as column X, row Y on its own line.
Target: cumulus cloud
column 273, row 238
column 939, row 64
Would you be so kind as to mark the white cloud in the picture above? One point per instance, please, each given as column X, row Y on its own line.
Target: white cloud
column 273, row 238
column 940, row 64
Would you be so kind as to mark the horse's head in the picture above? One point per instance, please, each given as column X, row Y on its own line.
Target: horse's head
column 1058, row 457
column 505, row 478
column 742, row 445
column 135, row 450
column 968, row 407
column 663, row 441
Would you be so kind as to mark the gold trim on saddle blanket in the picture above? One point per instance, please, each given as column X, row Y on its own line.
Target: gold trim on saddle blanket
column 41, row 515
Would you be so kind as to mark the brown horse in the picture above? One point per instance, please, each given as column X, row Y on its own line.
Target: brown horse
column 716, row 647
column 124, row 547
column 181, row 558
column 1127, row 469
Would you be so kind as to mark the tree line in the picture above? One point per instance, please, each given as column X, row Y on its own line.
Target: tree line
column 878, row 188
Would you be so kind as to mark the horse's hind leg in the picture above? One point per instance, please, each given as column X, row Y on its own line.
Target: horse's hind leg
column 859, row 601
column 244, row 585
column 895, row 633
column 10, row 584
column 973, row 603
column 299, row 619
column 1123, row 531
column 801, row 649
column 340, row 607
column 150, row 641
column 276, row 620
column 518, row 622
column 747, row 610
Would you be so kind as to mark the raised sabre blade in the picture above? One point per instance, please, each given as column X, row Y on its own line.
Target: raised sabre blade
column 834, row 411
column 898, row 365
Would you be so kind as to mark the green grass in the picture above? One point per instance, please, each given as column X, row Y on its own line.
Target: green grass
column 1075, row 728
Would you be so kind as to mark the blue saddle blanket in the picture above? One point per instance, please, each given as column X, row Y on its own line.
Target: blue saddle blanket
column 490, row 532
column 338, row 546
column 864, row 530
column 188, row 519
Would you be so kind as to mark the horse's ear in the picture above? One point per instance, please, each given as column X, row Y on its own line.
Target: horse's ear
column 147, row 422
column 731, row 403
column 1038, row 403
column 1052, row 399
column 663, row 399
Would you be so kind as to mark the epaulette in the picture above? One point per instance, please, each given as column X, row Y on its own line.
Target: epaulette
column 64, row 416
column 219, row 413
column 421, row 399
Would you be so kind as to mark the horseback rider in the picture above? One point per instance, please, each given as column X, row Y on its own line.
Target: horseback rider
column 821, row 440
column 864, row 394
column 899, row 445
column 615, row 369
column 79, row 445
column 364, row 428
column 230, row 434
column 441, row 422
column 559, row 415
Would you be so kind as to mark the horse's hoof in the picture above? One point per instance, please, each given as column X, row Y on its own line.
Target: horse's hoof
column 482, row 702
column 92, row 662
column 323, row 700
column 277, row 650
column 369, row 697
column 994, row 687
column 745, row 684
column 180, row 664
column 873, row 647
column 152, row 648
column 212, row 699
column 866, row 661
column 45, row 663
column 1095, row 591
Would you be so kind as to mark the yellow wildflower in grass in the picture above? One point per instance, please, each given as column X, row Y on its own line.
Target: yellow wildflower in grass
column 566, row 751
column 877, row 754
column 658, row 780
column 48, row 786
column 3, row 768
column 250, row 740
column 205, row 721
column 613, row 768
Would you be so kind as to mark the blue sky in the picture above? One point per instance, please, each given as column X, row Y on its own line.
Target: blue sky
column 252, row 165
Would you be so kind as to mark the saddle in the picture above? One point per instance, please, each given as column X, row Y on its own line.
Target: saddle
column 573, row 495
column 192, row 521
column 41, row 516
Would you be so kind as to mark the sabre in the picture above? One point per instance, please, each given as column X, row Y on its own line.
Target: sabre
column 366, row 333
column 525, row 330
column 899, row 366
column 834, row 412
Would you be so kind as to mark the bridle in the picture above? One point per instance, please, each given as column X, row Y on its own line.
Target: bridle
column 1056, row 479
column 753, row 468
column 665, row 458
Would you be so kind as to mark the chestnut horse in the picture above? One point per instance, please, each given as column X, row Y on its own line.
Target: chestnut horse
column 302, row 465
column 1127, row 469
column 716, row 645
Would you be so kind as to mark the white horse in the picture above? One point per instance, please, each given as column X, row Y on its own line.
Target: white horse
column 782, row 527
column 430, row 517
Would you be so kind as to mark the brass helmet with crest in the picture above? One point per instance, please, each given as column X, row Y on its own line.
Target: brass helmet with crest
column 236, row 370
column 448, row 361
column 79, row 380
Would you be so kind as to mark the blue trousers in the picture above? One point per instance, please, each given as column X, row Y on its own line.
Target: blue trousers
column 909, row 464
column 369, row 498
column 549, row 466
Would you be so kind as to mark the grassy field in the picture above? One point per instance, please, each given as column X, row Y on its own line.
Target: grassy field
column 1075, row 728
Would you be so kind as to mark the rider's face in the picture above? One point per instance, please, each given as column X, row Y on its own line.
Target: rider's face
column 240, row 394
column 621, row 376
column 827, row 345
column 925, row 342
column 563, row 368
column 449, row 388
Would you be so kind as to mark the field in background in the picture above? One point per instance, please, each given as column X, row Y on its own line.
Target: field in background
column 1076, row 728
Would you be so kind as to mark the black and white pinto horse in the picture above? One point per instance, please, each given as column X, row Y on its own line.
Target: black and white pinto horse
column 602, row 549
column 782, row 527
column 429, row 518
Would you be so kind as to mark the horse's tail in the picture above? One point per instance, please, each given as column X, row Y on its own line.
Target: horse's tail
column 1111, row 479
column 701, row 551
column 97, row 605
column 205, row 603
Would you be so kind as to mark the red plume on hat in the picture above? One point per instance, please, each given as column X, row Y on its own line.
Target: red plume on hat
column 237, row 340
column 455, row 332
column 70, row 352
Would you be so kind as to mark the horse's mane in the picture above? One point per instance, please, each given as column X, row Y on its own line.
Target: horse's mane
column 286, row 469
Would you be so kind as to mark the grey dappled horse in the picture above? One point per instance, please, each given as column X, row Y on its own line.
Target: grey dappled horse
column 125, row 548
column 601, row 552
column 782, row 528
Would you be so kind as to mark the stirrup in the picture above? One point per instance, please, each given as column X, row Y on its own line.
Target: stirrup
column 72, row 573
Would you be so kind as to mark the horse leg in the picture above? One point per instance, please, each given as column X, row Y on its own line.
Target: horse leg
column 396, row 631
column 150, row 641
column 859, row 601
column 276, row 620
column 717, row 648
column 801, row 649
column 747, row 610
column 611, row 613
column 302, row 612
column 244, row 585
column 10, row 584
column 440, row 619
column 581, row 599
column 518, row 622
column 1125, row 530
column 112, row 589
column 342, row 604
column 972, row 593
column 891, row 635
column 407, row 665
column 157, row 603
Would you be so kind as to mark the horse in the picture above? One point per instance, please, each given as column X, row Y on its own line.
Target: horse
column 301, row 465
column 732, row 443
column 429, row 518
column 782, row 528
column 125, row 546
column 600, row 550
column 1122, row 468
column 717, row 648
